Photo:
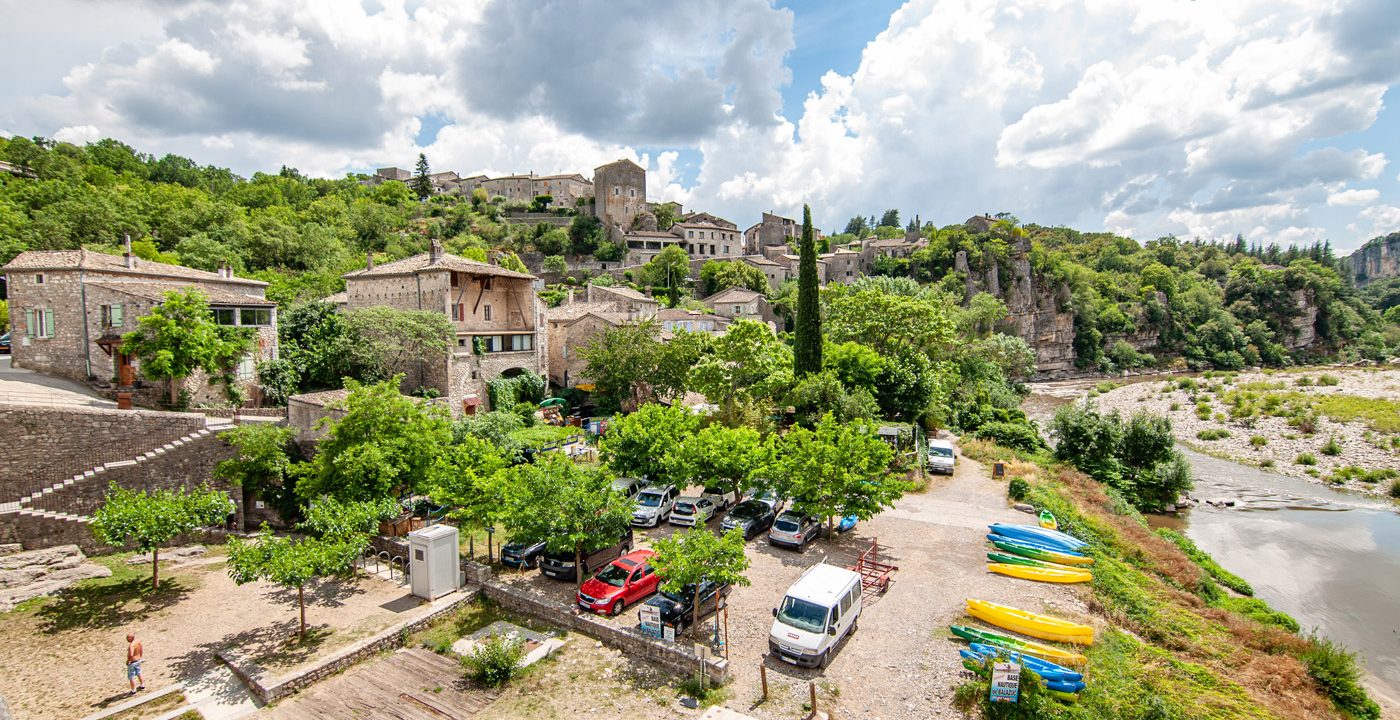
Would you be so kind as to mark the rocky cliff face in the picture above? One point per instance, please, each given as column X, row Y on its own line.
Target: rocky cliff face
column 1034, row 309
column 1376, row 260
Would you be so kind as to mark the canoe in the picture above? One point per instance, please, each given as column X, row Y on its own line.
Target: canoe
column 1048, row 521
column 1041, row 574
column 1025, row 647
column 1064, row 696
column 1043, row 668
column 997, row 557
column 1039, row 552
column 974, row 661
column 1053, row 539
column 1027, row 623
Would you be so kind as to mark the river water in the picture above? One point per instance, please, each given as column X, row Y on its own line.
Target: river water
column 1330, row 559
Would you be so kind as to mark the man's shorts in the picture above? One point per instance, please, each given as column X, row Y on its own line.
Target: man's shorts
column 133, row 669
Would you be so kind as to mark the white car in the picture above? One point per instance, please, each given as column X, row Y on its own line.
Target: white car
column 654, row 505
column 942, row 458
column 692, row 511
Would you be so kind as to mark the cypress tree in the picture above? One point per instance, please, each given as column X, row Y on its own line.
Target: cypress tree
column 807, row 354
column 422, row 185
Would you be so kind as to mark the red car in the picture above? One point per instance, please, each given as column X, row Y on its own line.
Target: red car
column 626, row 580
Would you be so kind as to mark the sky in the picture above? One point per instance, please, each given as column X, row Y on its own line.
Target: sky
column 1267, row 118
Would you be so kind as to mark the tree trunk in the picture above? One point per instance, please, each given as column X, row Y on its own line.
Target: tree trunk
column 830, row 526
column 301, row 605
column 695, row 612
column 155, row 568
column 578, row 567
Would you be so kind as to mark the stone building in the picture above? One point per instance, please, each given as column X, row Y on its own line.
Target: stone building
column 620, row 189
column 707, row 236
column 643, row 245
column 673, row 319
column 775, row 272
column 743, row 304
column 844, row 265
column 69, row 309
column 497, row 318
column 582, row 317
column 792, row 263
column 772, row 231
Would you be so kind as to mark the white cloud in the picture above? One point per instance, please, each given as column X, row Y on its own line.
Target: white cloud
column 1353, row 197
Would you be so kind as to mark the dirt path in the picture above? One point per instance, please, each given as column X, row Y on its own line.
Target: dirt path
column 898, row 664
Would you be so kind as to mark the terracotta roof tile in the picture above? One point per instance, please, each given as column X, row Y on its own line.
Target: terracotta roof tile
column 419, row 263
column 157, row 291
column 90, row 260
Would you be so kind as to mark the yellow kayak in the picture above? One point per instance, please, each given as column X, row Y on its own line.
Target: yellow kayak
column 1043, row 574
column 1026, row 623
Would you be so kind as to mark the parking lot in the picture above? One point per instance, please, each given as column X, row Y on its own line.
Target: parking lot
column 899, row 662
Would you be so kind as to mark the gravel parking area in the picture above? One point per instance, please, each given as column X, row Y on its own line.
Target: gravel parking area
column 898, row 664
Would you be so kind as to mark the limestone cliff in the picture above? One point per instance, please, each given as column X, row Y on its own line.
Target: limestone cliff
column 1376, row 260
column 1038, row 312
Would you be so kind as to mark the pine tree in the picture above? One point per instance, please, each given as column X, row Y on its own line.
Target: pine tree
column 807, row 354
column 422, row 185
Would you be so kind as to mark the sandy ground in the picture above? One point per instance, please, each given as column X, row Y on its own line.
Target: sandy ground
column 73, row 664
column 1281, row 448
column 899, row 662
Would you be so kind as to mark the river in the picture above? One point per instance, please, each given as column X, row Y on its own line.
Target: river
column 1330, row 559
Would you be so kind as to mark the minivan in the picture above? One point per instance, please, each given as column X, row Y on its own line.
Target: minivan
column 654, row 505
column 819, row 610
column 941, row 457
column 560, row 565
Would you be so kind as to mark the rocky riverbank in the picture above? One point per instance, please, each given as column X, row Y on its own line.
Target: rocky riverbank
column 1329, row 424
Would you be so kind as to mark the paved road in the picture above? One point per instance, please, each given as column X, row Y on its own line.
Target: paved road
column 27, row 387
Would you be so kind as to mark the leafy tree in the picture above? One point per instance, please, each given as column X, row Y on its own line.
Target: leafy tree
column 149, row 520
column 461, row 481
column 291, row 563
column 820, row 393
column 261, row 464
column 496, row 428
column 716, row 276
column 856, row 227
column 1135, row 457
column 685, row 561
column 383, row 444
column 836, row 469
column 622, row 363
column 671, row 378
column 889, row 323
column 669, row 268
column 511, row 261
column 555, row 264
column 332, row 519
column 541, row 203
column 586, row 234
column 807, row 348
column 179, row 336
column 747, row 363
column 422, row 184
column 716, row 456
column 393, row 342
column 637, row 444
column 889, row 219
column 666, row 214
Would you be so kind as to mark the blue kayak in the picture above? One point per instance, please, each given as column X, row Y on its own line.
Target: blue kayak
column 847, row 523
column 1043, row 668
column 1003, row 540
column 1045, row 536
column 1064, row 686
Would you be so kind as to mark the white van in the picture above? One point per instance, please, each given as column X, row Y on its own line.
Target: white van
column 941, row 457
column 817, row 612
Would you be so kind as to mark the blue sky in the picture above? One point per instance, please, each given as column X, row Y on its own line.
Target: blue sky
column 1261, row 117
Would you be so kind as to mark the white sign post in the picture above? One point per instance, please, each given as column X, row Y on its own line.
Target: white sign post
column 650, row 616
column 1006, row 682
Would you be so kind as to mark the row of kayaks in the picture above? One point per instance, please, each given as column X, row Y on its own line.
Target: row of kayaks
column 1042, row 627
column 1038, row 553
column 1060, row 669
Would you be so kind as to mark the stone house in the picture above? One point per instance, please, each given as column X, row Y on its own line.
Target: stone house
column 497, row 318
column 643, row 245
column 70, row 308
column 575, row 323
column 620, row 189
column 772, row 231
column 741, row 303
column 844, row 265
column 707, row 236
column 792, row 266
column 775, row 272
column 673, row 319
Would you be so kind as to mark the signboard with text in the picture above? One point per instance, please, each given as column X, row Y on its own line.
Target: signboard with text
column 1006, row 682
column 650, row 616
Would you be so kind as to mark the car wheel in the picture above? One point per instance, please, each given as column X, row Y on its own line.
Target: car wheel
column 825, row 659
column 616, row 608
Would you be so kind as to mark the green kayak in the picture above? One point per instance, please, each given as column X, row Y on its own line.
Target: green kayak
column 1047, row 520
column 997, row 557
column 1010, row 642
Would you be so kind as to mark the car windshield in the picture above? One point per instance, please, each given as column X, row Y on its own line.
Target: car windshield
column 941, row 452
column 803, row 615
column 787, row 523
column 685, row 508
column 622, row 485
column 649, row 499
column 614, row 575
column 746, row 510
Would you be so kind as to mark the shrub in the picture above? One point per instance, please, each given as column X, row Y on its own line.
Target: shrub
column 1021, row 435
column 494, row 661
column 1303, row 381
column 1305, row 459
column 1018, row 489
column 1260, row 611
column 1327, row 380
column 1258, row 441
column 1266, row 463
column 1175, row 406
column 1213, row 434
column 1203, row 410
column 1395, row 489
column 1334, row 668
column 1332, row 448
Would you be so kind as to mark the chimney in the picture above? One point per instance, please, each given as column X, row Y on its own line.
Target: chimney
column 126, row 255
column 369, row 259
column 570, row 301
column 435, row 253
column 225, row 271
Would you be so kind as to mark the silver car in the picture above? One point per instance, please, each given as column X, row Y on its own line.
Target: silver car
column 654, row 505
column 794, row 530
column 692, row 511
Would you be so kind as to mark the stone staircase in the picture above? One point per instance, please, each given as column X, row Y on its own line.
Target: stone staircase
column 26, row 506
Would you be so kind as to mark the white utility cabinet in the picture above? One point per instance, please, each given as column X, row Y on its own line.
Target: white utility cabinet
column 433, row 561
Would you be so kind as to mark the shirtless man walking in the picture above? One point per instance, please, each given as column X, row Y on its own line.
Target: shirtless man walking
column 134, row 651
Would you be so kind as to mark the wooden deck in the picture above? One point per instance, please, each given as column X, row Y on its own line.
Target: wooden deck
column 401, row 686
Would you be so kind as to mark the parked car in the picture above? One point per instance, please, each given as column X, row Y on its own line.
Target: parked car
column 941, row 457
column 720, row 497
column 751, row 516
column 560, row 565
column 795, row 530
column 626, row 580
column 676, row 607
column 820, row 609
column 629, row 487
column 654, row 505
column 692, row 511
column 771, row 499
column 4, row 343
column 522, row 554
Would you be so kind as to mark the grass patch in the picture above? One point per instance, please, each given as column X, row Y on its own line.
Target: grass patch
column 1332, row 448
column 1327, row 380
column 1305, row 459
column 1108, row 386
column 1213, row 434
column 1258, row 441
column 1207, row 563
column 1335, row 669
column 707, row 695
column 1266, row 463
column 539, row 436
column 1258, row 610
column 1355, row 472
column 155, row 708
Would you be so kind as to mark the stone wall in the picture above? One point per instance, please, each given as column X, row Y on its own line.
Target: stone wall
column 46, row 445
column 677, row 658
column 34, row 532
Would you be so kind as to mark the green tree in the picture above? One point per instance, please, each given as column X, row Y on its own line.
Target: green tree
column 461, row 481
column 391, row 342
column 622, row 362
column 889, row 219
column 685, row 561
column 716, row 456
column 355, row 521
column 556, row 264
column 511, row 261
column 637, row 444
column 383, row 444
column 668, row 269
column 666, row 214
column 807, row 347
column 151, row 519
column 422, row 184
column 747, row 363
column 291, row 563
column 716, row 276
column 261, row 464
column 586, row 234
column 834, row 470
column 179, row 336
